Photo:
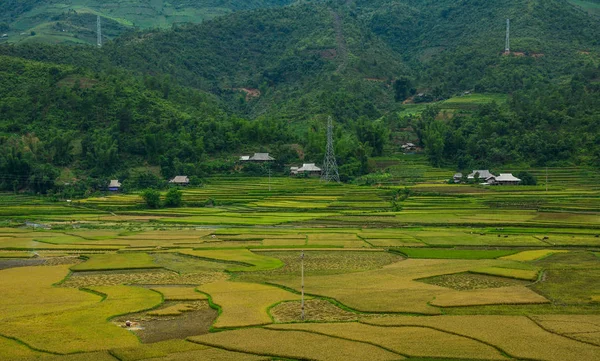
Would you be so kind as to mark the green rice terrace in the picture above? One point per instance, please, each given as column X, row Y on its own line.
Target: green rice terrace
column 410, row 268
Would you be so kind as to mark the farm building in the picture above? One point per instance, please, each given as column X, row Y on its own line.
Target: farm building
column 257, row 157
column 507, row 179
column 307, row 168
column 180, row 180
column 114, row 185
column 409, row 146
column 484, row 175
column 457, row 177
column 261, row 157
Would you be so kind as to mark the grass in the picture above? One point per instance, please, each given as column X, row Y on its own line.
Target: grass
column 116, row 261
column 295, row 345
column 511, row 334
column 244, row 304
column 410, row 341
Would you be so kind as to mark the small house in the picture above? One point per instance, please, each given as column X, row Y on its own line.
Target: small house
column 507, row 179
column 244, row 158
column 114, row 185
column 409, row 146
column 484, row 175
column 261, row 157
column 458, row 177
column 5, row 35
column 309, row 168
column 294, row 170
column 180, row 180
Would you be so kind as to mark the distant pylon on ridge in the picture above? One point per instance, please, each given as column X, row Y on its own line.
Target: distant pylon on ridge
column 507, row 46
column 330, row 168
column 99, row 31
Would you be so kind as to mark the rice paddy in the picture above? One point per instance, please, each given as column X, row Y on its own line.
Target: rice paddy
column 460, row 272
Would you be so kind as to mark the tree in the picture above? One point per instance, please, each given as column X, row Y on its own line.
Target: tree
column 152, row 198
column 173, row 198
column 403, row 89
column 527, row 179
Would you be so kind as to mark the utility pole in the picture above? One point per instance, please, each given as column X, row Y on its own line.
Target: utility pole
column 302, row 287
column 99, row 31
column 330, row 168
column 507, row 46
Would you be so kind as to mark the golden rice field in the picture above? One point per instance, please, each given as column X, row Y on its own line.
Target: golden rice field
column 460, row 273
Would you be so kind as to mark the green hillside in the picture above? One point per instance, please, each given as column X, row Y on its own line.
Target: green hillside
column 432, row 72
column 74, row 21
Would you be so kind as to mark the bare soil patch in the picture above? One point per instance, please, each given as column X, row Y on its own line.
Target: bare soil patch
column 150, row 329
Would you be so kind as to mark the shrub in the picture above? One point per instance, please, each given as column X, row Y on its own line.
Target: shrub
column 173, row 198
column 152, row 198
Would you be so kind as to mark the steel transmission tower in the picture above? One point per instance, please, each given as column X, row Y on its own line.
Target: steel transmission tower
column 330, row 168
column 99, row 31
column 507, row 46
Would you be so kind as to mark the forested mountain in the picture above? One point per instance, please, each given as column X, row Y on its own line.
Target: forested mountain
column 267, row 78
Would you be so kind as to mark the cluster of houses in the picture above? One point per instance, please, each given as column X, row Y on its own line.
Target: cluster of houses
column 485, row 177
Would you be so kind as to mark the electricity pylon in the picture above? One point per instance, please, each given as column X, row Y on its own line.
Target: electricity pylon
column 330, row 168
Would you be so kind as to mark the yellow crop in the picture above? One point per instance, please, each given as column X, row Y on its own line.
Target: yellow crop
column 295, row 345
column 489, row 296
column 246, row 260
column 518, row 336
column 245, row 304
column 86, row 328
column 174, row 310
column 531, row 255
column 412, row 341
column 522, row 274
column 155, row 350
column 116, row 261
column 180, row 293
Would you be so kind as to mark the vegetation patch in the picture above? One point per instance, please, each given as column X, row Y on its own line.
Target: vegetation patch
column 471, row 281
column 141, row 277
column 315, row 310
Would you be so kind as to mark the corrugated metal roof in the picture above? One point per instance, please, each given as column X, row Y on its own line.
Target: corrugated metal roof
column 507, row 177
column 180, row 179
column 114, row 183
column 309, row 167
column 262, row 157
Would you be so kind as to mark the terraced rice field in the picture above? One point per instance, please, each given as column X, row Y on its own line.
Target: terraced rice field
column 461, row 272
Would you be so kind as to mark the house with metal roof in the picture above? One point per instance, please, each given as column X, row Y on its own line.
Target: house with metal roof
column 507, row 179
column 307, row 168
column 261, row 157
column 180, row 180
column 483, row 174
column 114, row 185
